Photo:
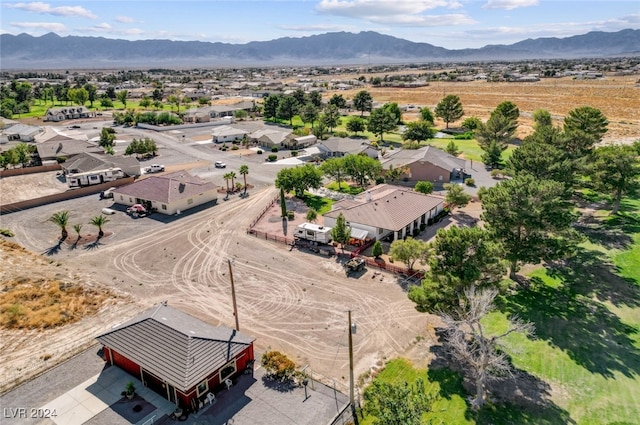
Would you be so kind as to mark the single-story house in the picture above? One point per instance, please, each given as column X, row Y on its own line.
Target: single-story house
column 425, row 164
column 169, row 193
column 300, row 142
column 342, row 146
column 65, row 147
column 20, row 133
column 66, row 113
column 385, row 210
column 270, row 137
column 93, row 168
column 176, row 355
column 227, row 133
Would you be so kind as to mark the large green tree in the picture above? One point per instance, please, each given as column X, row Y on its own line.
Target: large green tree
column 456, row 196
column 588, row 121
column 331, row 117
column 509, row 110
column 99, row 221
column 287, row 109
column 338, row 100
column 299, row 179
column 498, row 128
column 356, row 124
column 270, row 109
column 460, row 257
column 334, row 168
column 541, row 160
column 362, row 169
column 244, row 170
column 532, row 219
column 362, row 101
column 449, row 109
column 409, row 251
column 418, row 131
column 616, row 171
column 122, row 96
column 381, row 121
column 309, row 114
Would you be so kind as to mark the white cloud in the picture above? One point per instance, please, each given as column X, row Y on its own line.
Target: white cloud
column 125, row 19
column 426, row 20
column 46, row 26
column 509, row 4
column 45, row 8
column 366, row 9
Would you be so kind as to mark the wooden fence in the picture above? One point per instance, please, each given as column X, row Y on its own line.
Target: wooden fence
column 29, row 170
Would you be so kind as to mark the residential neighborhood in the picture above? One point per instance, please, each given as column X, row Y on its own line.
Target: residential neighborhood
column 301, row 245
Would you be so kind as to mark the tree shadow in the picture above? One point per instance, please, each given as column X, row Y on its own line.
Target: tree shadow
column 280, row 385
column 93, row 245
column 54, row 249
column 285, row 224
column 519, row 399
column 610, row 236
column 591, row 335
column 589, row 273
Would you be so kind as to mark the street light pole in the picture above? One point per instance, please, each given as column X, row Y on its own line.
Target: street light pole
column 233, row 296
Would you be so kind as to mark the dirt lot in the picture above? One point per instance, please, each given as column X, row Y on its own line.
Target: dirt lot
column 617, row 97
column 289, row 300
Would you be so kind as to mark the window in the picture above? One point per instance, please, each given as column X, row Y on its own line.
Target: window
column 130, row 200
column 227, row 370
column 164, row 206
column 202, row 387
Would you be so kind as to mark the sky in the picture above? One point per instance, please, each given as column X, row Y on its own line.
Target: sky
column 453, row 24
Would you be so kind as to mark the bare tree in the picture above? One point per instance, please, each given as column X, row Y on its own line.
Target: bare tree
column 469, row 343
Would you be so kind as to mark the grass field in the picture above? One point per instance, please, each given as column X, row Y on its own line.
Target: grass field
column 38, row 109
column 583, row 366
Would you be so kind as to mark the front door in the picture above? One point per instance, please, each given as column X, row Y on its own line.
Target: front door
column 171, row 393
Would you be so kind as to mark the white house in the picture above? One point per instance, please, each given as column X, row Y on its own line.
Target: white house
column 227, row 133
column 168, row 193
column 384, row 210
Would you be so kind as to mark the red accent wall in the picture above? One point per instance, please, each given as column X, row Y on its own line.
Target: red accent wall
column 126, row 364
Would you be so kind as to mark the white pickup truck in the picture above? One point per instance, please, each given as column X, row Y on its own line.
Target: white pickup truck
column 154, row 168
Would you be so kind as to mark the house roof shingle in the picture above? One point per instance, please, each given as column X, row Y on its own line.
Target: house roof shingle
column 87, row 161
column 428, row 154
column 167, row 188
column 390, row 207
column 175, row 346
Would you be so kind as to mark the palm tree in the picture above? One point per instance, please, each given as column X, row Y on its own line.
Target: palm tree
column 61, row 219
column 226, row 178
column 77, row 228
column 244, row 170
column 99, row 221
column 232, row 176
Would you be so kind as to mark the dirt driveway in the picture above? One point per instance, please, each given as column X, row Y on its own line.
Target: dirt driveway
column 292, row 301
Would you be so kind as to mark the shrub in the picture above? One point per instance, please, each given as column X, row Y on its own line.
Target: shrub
column 290, row 215
column 464, row 136
column 6, row 232
column 495, row 173
column 274, row 149
column 469, row 181
column 294, row 153
column 272, row 158
column 259, row 151
column 341, row 134
column 416, row 232
column 61, row 159
column 234, row 148
column 379, row 180
column 277, row 365
column 422, row 227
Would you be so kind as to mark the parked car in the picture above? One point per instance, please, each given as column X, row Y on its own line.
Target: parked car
column 220, row 164
column 154, row 168
column 105, row 194
column 137, row 210
column 108, row 211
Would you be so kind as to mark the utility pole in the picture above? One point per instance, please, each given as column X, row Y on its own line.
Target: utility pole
column 351, row 384
column 233, row 297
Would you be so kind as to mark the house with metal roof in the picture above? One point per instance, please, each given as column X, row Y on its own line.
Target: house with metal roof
column 425, row 164
column 385, row 210
column 177, row 355
column 169, row 193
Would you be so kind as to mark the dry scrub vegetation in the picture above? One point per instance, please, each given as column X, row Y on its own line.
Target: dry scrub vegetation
column 33, row 299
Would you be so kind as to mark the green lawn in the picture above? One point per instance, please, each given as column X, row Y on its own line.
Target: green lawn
column 318, row 203
column 38, row 109
column 344, row 187
column 584, row 363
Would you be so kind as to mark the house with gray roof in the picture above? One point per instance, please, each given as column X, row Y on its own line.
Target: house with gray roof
column 342, row 146
column 425, row 164
column 20, row 133
column 385, row 210
column 169, row 194
column 270, row 137
column 66, row 113
column 88, row 168
column 177, row 355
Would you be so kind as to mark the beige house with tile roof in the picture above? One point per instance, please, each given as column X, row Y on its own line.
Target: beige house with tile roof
column 169, row 193
column 386, row 210
column 425, row 164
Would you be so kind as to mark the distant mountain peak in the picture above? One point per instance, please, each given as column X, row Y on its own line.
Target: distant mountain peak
column 334, row 48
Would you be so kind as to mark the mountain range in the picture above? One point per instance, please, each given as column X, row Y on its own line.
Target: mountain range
column 52, row 51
